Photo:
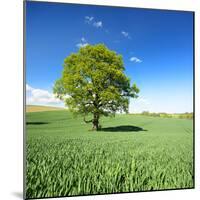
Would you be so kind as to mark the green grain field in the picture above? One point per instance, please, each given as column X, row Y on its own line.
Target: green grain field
column 130, row 153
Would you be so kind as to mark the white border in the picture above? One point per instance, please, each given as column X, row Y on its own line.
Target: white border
column 11, row 99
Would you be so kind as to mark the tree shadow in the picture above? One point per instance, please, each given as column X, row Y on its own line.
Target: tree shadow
column 36, row 123
column 127, row 128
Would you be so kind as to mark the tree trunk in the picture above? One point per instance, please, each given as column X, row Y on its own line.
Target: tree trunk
column 96, row 122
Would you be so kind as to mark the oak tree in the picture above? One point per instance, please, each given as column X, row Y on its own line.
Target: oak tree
column 93, row 83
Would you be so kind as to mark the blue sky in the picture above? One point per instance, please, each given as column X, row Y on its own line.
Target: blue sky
column 157, row 49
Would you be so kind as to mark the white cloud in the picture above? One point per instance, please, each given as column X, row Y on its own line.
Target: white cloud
column 88, row 19
column 126, row 34
column 40, row 97
column 82, row 43
column 139, row 105
column 98, row 24
column 135, row 59
column 28, row 88
column 83, row 40
column 79, row 45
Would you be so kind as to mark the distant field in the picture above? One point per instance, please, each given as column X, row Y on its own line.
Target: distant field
column 33, row 108
column 131, row 153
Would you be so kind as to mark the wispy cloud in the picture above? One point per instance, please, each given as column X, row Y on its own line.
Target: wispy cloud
column 98, row 24
column 90, row 20
column 82, row 43
column 40, row 97
column 79, row 45
column 135, row 59
column 126, row 34
column 83, row 40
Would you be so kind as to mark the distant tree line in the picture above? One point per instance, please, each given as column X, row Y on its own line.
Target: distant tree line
column 185, row 115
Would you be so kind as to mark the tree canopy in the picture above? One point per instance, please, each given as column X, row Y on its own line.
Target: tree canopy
column 93, row 83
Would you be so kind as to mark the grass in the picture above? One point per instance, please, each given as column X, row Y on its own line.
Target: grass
column 130, row 153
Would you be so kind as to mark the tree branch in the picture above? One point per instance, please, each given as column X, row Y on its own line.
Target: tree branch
column 87, row 121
